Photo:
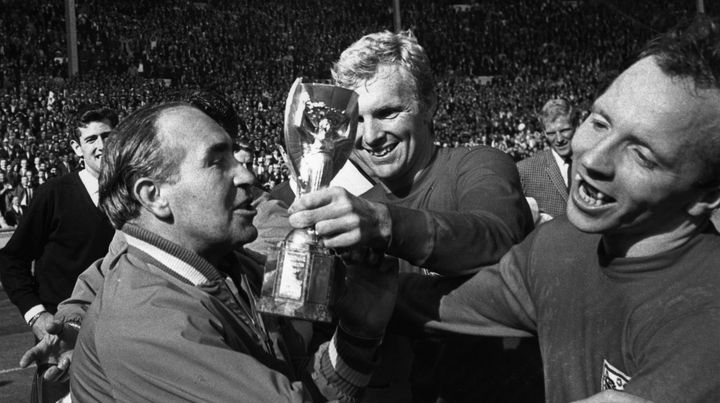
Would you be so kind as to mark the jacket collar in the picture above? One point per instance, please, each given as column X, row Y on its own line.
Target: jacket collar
column 181, row 261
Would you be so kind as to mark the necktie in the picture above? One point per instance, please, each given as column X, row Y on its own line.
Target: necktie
column 569, row 171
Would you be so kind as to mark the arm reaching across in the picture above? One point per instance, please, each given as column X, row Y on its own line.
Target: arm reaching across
column 54, row 349
column 58, row 333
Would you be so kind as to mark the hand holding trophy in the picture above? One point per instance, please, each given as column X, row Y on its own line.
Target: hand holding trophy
column 320, row 126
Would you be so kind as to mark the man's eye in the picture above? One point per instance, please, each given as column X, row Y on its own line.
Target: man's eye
column 599, row 125
column 217, row 162
column 644, row 161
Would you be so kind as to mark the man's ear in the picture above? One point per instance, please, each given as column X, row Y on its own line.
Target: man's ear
column 76, row 147
column 705, row 202
column 148, row 193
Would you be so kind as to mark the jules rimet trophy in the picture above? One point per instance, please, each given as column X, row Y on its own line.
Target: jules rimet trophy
column 300, row 279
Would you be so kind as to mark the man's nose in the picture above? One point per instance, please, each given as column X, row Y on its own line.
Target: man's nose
column 369, row 132
column 599, row 159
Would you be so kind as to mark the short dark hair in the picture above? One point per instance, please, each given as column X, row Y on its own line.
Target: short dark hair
column 88, row 113
column 243, row 145
column 133, row 151
column 692, row 51
column 218, row 107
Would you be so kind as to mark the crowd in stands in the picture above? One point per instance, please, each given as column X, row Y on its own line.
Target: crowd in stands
column 496, row 62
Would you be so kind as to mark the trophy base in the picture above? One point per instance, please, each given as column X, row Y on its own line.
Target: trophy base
column 299, row 280
column 295, row 309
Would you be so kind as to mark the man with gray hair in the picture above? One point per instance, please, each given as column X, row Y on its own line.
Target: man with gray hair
column 175, row 318
column 545, row 176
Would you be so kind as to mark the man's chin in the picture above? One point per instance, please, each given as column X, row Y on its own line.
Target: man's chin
column 564, row 153
column 585, row 223
column 245, row 236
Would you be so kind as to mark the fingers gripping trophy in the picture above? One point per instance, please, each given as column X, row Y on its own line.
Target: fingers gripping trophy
column 320, row 124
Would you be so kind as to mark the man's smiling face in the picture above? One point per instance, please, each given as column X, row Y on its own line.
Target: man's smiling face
column 637, row 169
column 394, row 137
column 89, row 146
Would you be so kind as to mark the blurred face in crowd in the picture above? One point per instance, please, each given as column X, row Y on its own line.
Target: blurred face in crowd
column 90, row 145
column 394, row 138
column 24, row 181
column 210, row 196
column 636, row 163
column 559, row 133
column 245, row 158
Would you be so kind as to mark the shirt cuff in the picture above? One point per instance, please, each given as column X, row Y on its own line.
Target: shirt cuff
column 344, row 366
column 32, row 312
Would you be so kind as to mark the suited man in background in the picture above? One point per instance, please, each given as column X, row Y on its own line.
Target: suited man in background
column 25, row 192
column 64, row 166
column 14, row 212
column 544, row 176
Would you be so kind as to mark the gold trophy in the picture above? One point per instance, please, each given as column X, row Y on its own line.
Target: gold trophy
column 320, row 124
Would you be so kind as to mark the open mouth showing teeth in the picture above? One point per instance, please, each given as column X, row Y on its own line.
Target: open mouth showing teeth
column 592, row 196
column 382, row 151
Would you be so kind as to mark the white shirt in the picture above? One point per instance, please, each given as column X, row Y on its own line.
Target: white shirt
column 91, row 185
column 563, row 166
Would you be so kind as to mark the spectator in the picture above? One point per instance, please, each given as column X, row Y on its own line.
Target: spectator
column 546, row 176
column 25, row 192
column 5, row 193
column 243, row 152
column 14, row 214
column 63, row 167
column 61, row 232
